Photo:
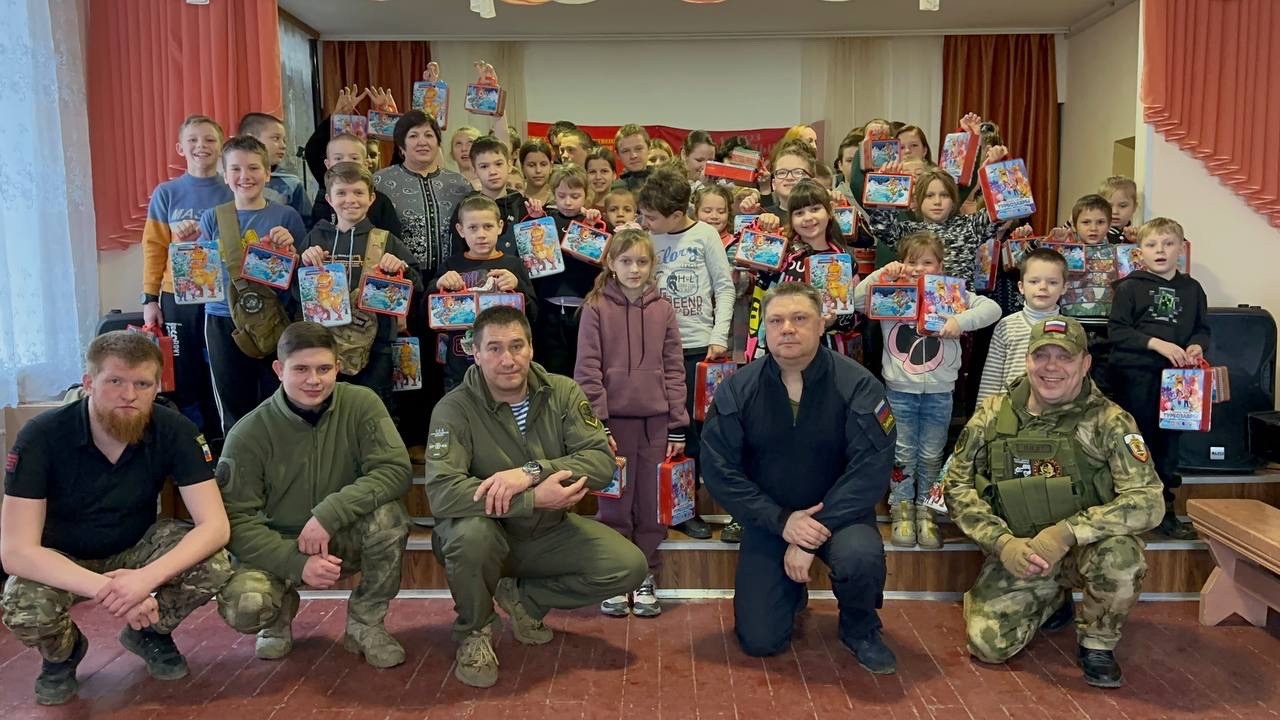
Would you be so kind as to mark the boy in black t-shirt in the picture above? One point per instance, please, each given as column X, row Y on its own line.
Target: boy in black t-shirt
column 79, row 519
column 483, row 265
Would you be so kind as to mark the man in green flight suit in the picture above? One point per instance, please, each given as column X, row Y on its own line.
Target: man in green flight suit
column 1055, row 483
column 508, row 453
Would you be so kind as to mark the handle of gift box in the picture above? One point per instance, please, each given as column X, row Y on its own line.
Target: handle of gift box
column 432, row 73
column 485, row 74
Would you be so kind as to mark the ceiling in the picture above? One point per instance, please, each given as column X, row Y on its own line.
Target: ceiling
column 649, row 19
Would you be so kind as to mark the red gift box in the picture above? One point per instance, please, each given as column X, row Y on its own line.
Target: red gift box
column 452, row 311
column 729, row 171
column 1186, row 398
column 168, row 379
column 761, row 250
column 893, row 301
column 941, row 297
column 1006, row 190
column 677, row 494
column 386, row 294
column 708, row 377
column 986, row 265
column 588, row 243
column 616, row 486
column 959, row 154
column 887, row 190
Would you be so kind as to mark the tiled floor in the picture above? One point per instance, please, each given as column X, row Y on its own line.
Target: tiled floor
column 683, row 665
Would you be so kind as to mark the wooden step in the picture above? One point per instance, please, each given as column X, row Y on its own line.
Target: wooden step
column 693, row 567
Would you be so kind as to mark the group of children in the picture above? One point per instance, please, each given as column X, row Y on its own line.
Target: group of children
column 632, row 329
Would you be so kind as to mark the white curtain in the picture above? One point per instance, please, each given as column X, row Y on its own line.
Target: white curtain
column 456, row 68
column 848, row 81
column 48, row 263
column 295, row 75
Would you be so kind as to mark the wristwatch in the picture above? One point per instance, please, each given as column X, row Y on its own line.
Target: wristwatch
column 533, row 471
column 148, row 298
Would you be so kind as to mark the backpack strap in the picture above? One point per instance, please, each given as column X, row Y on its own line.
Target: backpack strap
column 229, row 245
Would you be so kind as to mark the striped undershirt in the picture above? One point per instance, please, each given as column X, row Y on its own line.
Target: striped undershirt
column 521, row 411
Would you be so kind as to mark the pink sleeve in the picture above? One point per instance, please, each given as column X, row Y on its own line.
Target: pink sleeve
column 673, row 373
column 588, row 371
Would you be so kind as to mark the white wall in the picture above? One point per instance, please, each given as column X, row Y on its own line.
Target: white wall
column 1102, row 80
column 715, row 84
column 120, row 279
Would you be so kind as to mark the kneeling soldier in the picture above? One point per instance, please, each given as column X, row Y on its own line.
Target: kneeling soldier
column 314, row 480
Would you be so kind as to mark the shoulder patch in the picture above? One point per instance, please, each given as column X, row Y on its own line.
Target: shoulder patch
column 204, row 446
column 884, row 416
column 438, row 442
column 588, row 417
column 11, row 461
column 1137, row 447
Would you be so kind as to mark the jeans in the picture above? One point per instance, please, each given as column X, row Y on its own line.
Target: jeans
column 922, row 420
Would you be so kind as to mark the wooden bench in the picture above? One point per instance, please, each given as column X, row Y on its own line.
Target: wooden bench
column 1244, row 537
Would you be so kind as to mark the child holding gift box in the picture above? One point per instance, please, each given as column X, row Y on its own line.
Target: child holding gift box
column 631, row 367
column 920, row 375
column 1159, row 320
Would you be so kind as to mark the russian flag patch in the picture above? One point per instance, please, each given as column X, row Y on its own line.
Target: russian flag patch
column 1055, row 326
column 884, row 416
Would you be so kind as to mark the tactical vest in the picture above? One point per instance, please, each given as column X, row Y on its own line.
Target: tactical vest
column 355, row 339
column 256, row 310
column 1036, row 477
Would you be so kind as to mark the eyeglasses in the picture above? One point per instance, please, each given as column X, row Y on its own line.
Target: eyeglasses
column 794, row 174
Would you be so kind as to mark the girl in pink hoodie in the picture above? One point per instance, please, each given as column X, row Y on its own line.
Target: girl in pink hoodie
column 631, row 367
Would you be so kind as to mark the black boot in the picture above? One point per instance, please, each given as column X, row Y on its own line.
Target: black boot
column 57, row 681
column 1100, row 668
column 873, row 654
column 696, row 528
column 1061, row 617
column 164, row 662
column 1174, row 529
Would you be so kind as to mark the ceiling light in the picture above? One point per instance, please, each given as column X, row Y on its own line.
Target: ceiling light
column 703, row 2
column 574, row 2
column 526, row 2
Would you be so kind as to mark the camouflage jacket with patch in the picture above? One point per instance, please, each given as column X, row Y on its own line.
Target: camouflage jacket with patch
column 1109, row 446
column 473, row 436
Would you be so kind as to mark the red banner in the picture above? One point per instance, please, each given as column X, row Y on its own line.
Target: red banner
column 762, row 139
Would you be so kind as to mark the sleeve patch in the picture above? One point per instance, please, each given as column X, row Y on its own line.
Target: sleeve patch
column 204, row 447
column 438, row 443
column 1137, row 447
column 884, row 416
column 11, row 461
column 588, row 417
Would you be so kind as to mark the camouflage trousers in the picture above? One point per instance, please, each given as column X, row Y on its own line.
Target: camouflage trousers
column 373, row 545
column 1002, row 612
column 40, row 615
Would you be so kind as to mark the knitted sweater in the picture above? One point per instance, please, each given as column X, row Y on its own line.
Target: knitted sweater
column 960, row 235
column 425, row 203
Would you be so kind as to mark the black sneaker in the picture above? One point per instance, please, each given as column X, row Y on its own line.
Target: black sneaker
column 57, row 681
column 696, row 528
column 732, row 533
column 873, row 654
column 1061, row 617
column 1174, row 529
column 1100, row 668
column 164, row 662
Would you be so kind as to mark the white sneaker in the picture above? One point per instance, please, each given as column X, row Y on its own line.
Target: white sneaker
column 644, row 601
column 616, row 606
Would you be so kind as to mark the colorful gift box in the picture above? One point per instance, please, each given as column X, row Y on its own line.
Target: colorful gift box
column 707, row 377
column 486, row 300
column 382, row 125
column 745, row 157
column 959, row 154
column 326, row 296
column 729, row 171
column 585, row 242
column 432, row 98
column 1074, row 254
column 846, row 219
column 941, row 297
column 1186, row 399
column 386, row 294
column 197, row 273
column 536, row 243
column 761, row 250
column 1007, row 190
column 357, row 125
column 451, row 311
column 1016, row 249
column 831, row 274
column 893, row 301
column 485, row 100
column 743, row 221
column 155, row 333
column 677, row 494
column 618, row 485
column 266, row 265
column 877, row 152
column 986, row 265
column 406, row 370
column 887, row 190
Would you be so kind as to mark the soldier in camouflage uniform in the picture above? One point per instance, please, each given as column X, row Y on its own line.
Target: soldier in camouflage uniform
column 80, row 519
column 1055, row 483
column 314, row 480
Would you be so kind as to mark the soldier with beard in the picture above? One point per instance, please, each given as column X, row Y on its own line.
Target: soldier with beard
column 79, row 519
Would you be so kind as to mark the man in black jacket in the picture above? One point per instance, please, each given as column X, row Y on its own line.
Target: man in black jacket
column 803, row 487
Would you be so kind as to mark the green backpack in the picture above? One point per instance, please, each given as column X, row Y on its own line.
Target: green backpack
column 256, row 310
column 355, row 339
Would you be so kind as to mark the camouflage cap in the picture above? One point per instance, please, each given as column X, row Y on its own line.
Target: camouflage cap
column 1067, row 333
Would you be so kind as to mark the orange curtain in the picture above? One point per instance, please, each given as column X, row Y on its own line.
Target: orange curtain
column 151, row 64
column 394, row 64
column 1012, row 81
column 1209, row 85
